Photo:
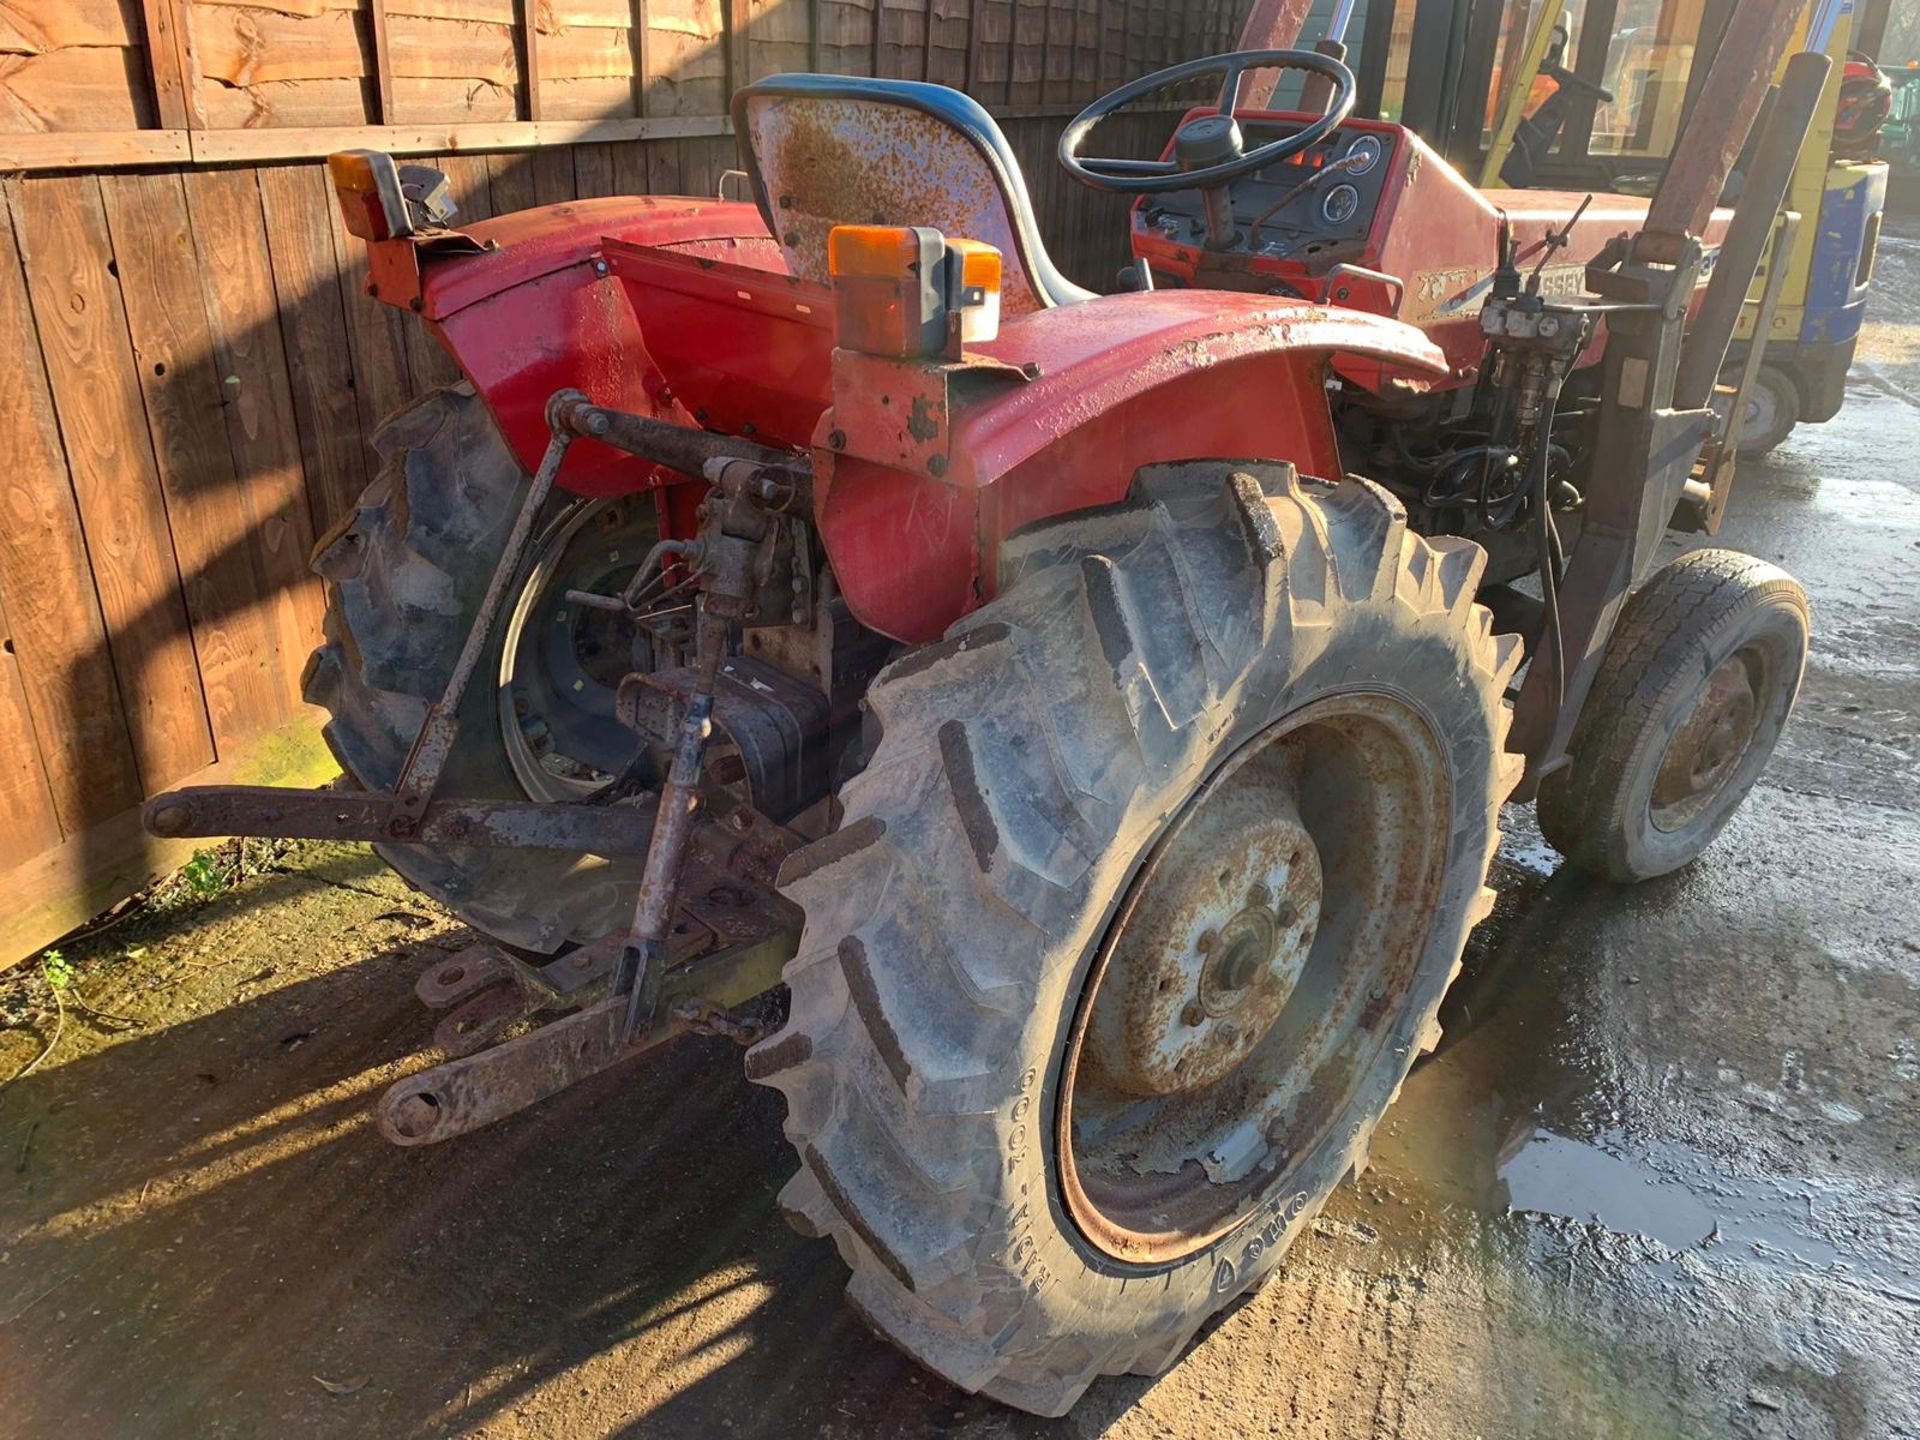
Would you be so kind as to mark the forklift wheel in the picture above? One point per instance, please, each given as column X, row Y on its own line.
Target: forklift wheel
column 1697, row 683
column 1773, row 409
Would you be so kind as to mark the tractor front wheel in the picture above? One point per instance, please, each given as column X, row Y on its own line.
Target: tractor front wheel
column 1139, row 915
column 1696, row 686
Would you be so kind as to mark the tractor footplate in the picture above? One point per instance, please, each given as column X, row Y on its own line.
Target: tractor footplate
column 476, row 1089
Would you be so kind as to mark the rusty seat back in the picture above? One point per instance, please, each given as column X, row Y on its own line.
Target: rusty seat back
column 826, row 150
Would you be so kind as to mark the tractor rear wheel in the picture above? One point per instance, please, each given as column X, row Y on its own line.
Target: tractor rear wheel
column 404, row 575
column 1138, row 916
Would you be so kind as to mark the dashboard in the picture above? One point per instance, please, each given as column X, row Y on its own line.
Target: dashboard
column 1315, row 209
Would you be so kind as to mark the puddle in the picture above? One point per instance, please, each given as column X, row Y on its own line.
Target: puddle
column 1552, row 1175
column 1676, row 1198
column 1570, row 1102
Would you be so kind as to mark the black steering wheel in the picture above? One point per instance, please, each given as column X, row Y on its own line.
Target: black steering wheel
column 1207, row 149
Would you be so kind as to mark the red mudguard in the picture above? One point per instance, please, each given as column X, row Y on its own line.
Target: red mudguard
column 683, row 310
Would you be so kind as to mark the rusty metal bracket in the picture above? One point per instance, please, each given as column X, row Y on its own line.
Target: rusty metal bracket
column 270, row 811
column 487, row 991
column 900, row 412
column 474, row 1090
column 431, row 747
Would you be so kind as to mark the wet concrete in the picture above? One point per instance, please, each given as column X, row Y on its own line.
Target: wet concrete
column 1662, row 1178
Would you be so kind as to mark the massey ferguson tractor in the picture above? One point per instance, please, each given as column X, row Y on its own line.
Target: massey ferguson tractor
column 1084, row 718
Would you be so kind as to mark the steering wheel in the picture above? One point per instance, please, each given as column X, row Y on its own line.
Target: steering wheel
column 1207, row 149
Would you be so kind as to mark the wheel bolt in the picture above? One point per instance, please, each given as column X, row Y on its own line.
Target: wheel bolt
column 1287, row 914
column 1208, row 942
column 1193, row 1015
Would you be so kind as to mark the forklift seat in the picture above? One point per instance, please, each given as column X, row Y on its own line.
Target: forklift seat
column 827, row 150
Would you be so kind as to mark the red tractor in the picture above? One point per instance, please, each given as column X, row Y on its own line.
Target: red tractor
column 1094, row 711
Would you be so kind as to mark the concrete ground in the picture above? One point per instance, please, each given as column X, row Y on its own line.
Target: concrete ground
column 1662, row 1179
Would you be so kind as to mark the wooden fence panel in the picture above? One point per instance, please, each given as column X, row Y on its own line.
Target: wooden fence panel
column 194, row 369
column 208, row 518
column 53, row 607
column 313, row 322
column 376, row 333
column 26, row 797
column 249, row 357
column 73, row 281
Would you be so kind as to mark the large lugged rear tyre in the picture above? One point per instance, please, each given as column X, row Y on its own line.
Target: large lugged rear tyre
column 405, row 573
column 1697, row 683
column 959, row 925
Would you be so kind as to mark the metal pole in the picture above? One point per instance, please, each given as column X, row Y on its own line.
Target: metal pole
column 1516, row 86
column 1710, row 143
column 1825, row 18
column 1771, row 174
column 1271, row 25
column 1342, row 18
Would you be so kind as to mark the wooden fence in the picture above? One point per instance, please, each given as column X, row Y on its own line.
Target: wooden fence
column 189, row 370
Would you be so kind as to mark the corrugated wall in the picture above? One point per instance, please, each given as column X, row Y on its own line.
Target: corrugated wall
column 189, row 370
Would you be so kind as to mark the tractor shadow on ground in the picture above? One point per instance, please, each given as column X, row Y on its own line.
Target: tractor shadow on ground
column 201, row 1234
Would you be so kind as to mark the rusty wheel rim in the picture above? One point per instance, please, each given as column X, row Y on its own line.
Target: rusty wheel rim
column 561, row 664
column 1264, row 960
column 1713, row 740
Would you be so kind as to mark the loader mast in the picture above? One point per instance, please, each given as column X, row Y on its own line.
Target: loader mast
column 1654, row 455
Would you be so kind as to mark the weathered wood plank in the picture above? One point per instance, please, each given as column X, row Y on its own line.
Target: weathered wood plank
column 663, row 176
column 382, row 380
column 57, row 633
column 166, row 62
column 76, row 65
column 26, row 799
column 777, row 37
column 257, row 402
column 593, row 171
column 208, row 518
column 83, row 335
column 382, row 41
column 314, row 328
column 527, row 23
column 686, row 58
column 553, row 176
column 510, row 182
column 739, row 67
column 92, row 150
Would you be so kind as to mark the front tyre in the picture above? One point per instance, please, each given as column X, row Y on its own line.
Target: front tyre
column 1137, row 919
column 1699, row 677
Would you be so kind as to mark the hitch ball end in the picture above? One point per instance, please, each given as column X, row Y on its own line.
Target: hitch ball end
column 168, row 816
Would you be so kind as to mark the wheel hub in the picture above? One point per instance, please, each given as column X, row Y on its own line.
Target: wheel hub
column 561, row 664
column 1707, row 748
column 1212, row 955
column 1261, row 963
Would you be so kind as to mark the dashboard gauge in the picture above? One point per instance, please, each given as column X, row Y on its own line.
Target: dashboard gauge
column 1364, row 154
column 1341, row 205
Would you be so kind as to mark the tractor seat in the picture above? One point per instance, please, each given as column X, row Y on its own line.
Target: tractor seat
column 827, row 150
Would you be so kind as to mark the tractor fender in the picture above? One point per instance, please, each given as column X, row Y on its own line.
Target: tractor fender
column 540, row 312
column 1067, row 405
